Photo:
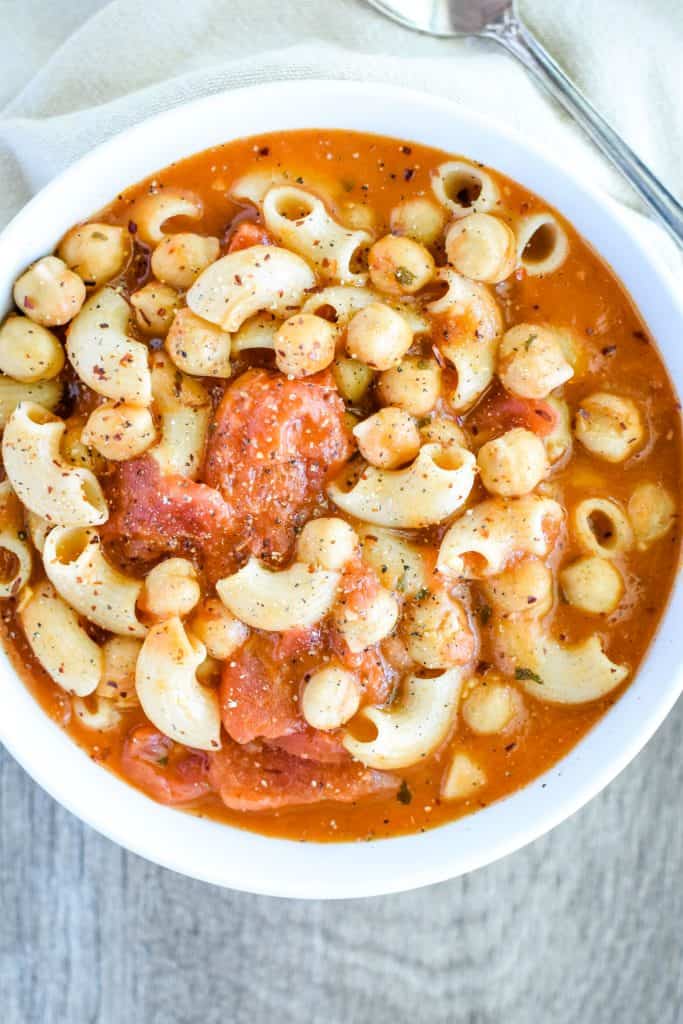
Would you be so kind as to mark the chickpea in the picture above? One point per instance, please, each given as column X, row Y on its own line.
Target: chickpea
column 198, row 347
column 78, row 451
column 436, row 631
column 609, row 426
column 304, row 345
column 327, row 543
column 652, row 511
column 400, row 266
column 482, row 248
column 592, row 584
column 525, row 588
column 463, row 778
column 419, row 219
column 359, row 217
column 29, row 352
column 531, row 361
column 170, row 589
column 352, row 379
column 361, row 628
column 513, row 464
column 118, row 677
column 378, row 336
column 389, row 438
column 220, row 632
column 444, row 432
column 491, row 707
column 330, row 698
column 49, row 293
column 414, row 385
column 155, row 307
column 96, row 252
column 179, row 259
column 119, row 431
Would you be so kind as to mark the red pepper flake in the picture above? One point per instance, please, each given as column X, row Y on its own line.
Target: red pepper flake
column 132, row 227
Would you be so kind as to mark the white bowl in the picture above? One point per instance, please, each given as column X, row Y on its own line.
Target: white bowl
column 240, row 859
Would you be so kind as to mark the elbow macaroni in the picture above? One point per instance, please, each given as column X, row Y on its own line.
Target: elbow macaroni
column 184, row 409
column 414, row 728
column 474, row 329
column 47, row 485
column 241, row 284
column 170, row 695
column 490, row 535
column 276, row 601
column 300, row 221
column 78, row 570
column 103, row 355
column 59, row 642
column 428, row 491
column 15, row 552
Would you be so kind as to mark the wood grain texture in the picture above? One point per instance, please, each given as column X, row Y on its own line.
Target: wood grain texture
column 585, row 925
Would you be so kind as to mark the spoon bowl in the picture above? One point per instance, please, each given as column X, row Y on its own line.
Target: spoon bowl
column 444, row 17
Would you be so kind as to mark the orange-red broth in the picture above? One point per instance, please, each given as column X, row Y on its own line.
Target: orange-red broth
column 584, row 295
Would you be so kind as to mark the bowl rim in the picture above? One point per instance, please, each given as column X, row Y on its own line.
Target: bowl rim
column 249, row 861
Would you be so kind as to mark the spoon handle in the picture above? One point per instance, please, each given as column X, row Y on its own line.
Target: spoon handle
column 520, row 42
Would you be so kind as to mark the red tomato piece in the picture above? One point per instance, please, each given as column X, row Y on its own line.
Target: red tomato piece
column 359, row 586
column 168, row 773
column 260, row 684
column 247, row 234
column 260, row 778
column 501, row 411
column 274, row 444
column 151, row 515
column 313, row 745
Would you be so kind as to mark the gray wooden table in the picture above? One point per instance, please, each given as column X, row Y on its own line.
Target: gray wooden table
column 585, row 925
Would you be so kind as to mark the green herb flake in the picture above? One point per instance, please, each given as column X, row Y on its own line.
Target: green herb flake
column 485, row 613
column 421, row 594
column 401, row 582
column 529, row 342
column 404, row 796
column 299, row 180
column 526, row 673
column 163, row 761
column 404, row 276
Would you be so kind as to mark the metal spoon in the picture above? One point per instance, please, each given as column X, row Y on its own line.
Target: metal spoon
column 499, row 20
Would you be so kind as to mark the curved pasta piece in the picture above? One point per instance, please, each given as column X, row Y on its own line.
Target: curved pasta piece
column 47, row 393
column 262, row 277
column 602, row 528
column 428, row 491
column 299, row 220
column 77, row 568
column 153, row 210
column 556, row 674
column 488, row 536
column 167, row 686
column 101, row 718
column 59, row 642
column 399, row 564
column 464, row 188
column 102, row 354
column 276, row 601
column 16, row 552
column 412, row 730
column 259, row 332
column 44, row 482
column 184, row 408
column 475, row 327
column 347, row 300
column 542, row 244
